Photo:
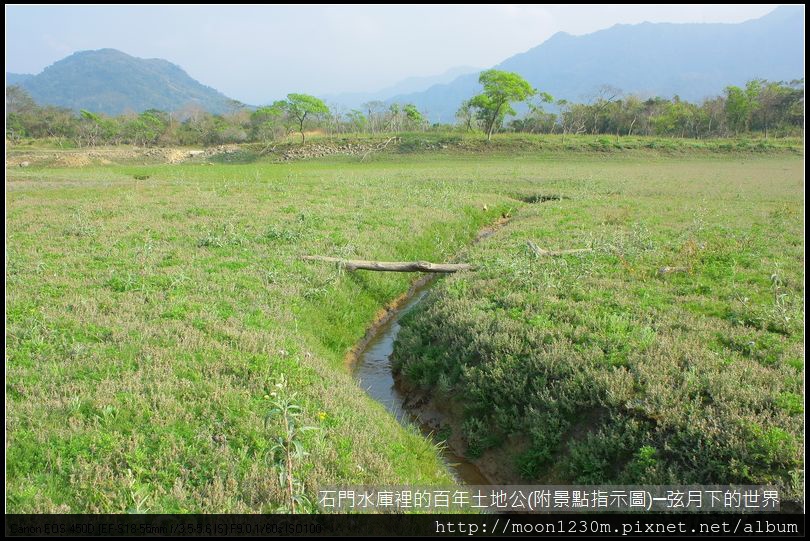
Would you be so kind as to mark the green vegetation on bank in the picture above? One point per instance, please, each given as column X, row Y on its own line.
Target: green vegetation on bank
column 596, row 368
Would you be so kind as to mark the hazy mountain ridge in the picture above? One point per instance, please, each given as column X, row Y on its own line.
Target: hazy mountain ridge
column 17, row 78
column 354, row 100
column 691, row 60
column 112, row 82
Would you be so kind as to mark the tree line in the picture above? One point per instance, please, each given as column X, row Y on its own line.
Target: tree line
column 766, row 107
column 762, row 107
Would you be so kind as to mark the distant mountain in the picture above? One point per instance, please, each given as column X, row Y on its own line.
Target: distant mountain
column 113, row 82
column 354, row 100
column 16, row 78
column 691, row 60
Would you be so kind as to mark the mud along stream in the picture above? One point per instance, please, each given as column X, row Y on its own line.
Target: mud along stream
column 372, row 368
column 370, row 363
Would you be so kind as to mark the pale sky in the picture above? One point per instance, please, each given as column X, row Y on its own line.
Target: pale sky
column 257, row 54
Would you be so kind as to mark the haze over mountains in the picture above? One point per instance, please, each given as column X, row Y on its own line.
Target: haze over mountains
column 355, row 100
column 691, row 60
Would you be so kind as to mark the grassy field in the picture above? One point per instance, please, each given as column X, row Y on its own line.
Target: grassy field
column 149, row 322
column 596, row 368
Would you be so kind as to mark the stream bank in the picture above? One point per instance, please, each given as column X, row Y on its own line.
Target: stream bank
column 370, row 363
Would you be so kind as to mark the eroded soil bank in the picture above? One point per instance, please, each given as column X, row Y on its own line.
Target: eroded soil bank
column 374, row 374
column 370, row 362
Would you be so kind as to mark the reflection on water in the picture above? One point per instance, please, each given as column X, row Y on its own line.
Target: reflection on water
column 374, row 375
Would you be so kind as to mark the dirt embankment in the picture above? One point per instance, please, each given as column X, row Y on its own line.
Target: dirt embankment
column 157, row 155
column 443, row 417
column 105, row 156
column 321, row 150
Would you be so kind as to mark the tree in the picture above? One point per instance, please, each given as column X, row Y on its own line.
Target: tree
column 15, row 127
column 357, row 121
column 415, row 118
column 18, row 100
column 95, row 128
column 235, row 106
column 713, row 111
column 301, row 106
column 375, row 114
column 572, row 117
column 628, row 114
column 146, row 128
column 501, row 88
column 266, row 122
column 394, row 117
column 738, row 108
column 465, row 115
column 18, row 103
column 601, row 100
column 793, row 105
column 769, row 99
column 334, row 121
column 537, row 119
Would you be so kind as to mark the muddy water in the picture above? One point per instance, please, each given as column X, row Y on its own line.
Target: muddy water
column 373, row 372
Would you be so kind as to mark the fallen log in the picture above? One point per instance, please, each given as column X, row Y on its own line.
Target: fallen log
column 541, row 252
column 391, row 266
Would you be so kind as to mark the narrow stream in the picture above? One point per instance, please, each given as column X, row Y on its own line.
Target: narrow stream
column 374, row 375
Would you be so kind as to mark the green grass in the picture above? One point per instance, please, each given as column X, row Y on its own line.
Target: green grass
column 608, row 372
column 147, row 319
column 510, row 143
